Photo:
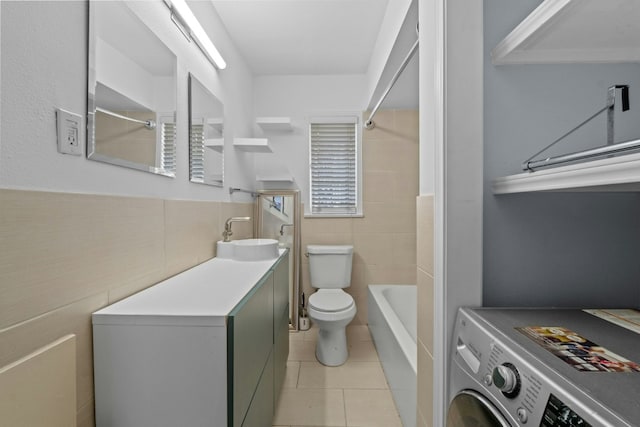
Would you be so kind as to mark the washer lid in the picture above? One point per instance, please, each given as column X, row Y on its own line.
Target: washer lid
column 330, row 300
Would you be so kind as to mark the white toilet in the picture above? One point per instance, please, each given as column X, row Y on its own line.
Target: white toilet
column 331, row 308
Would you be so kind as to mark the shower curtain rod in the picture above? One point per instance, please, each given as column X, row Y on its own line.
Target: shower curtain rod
column 369, row 124
column 149, row 124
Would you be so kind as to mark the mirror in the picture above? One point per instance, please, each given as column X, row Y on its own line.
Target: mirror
column 132, row 92
column 277, row 216
column 206, row 135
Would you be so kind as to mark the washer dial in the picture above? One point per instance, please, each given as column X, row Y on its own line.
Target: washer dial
column 507, row 379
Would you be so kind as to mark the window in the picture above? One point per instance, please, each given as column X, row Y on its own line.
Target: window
column 168, row 144
column 196, row 152
column 334, row 166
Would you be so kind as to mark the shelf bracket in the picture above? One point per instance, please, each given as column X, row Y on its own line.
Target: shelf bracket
column 611, row 103
column 530, row 164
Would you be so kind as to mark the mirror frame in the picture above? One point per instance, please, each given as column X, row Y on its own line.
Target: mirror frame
column 92, row 83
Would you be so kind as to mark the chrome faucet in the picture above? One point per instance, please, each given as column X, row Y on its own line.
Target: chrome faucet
column 282, row 228
column 227, row 226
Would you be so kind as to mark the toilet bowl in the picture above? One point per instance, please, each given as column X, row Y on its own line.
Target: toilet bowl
column 330, row 307
column 332, row 310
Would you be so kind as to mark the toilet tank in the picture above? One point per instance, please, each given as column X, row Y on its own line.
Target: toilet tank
column 330, row 266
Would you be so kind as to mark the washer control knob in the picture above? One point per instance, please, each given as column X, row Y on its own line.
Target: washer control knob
column 507, row 379
column 522, row 415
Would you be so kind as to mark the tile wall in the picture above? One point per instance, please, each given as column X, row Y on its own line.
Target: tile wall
column 64, row 256
column 384, row 239
column 425, row 310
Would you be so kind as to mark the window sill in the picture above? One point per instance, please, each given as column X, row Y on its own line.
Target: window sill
column 312, row 216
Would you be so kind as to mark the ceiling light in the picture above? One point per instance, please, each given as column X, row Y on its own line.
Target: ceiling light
column 196, row 32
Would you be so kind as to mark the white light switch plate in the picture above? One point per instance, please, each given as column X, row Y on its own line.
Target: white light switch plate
column 69, row 132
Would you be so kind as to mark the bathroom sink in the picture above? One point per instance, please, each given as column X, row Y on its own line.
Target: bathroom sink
column 248, row 249
column 255, row 249
column 225, row 250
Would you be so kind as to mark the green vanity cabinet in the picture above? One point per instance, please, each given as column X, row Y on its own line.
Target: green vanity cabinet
column 258, row 347
column 205, row 348
column 280, row 322
column 250, row 343
column 261, row 411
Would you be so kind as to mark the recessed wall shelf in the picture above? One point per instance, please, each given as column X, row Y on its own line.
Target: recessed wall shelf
column 274, row 123
column 574, row 31
column 252, row 145
column 620, row 173
column 216, row 144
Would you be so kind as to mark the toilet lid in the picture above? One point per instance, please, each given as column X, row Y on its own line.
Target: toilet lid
column 330, row 300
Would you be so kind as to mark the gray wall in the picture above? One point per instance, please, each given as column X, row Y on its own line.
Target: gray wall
column 554, row 249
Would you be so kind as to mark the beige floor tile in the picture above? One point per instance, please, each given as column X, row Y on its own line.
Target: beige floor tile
column 291, row 375
column 371, row 408
column 358, row 333
column 302, row 350
column 311, row 334
column 358, row 375
column 311, row 407
column 362, row 351
column 296, row 336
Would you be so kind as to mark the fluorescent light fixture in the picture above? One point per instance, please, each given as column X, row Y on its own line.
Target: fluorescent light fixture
column 196, row 32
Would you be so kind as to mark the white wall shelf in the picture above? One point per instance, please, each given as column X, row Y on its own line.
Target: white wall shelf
column 252, row 145
column 274, row 123
column 275, row 178
column 574, row 31
column 216, row 144
column 620, row 173
column 216, row 123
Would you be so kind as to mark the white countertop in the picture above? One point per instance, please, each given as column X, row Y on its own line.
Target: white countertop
column 203, row 295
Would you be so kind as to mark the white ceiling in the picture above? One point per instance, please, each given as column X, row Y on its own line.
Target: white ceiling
column 304, row 36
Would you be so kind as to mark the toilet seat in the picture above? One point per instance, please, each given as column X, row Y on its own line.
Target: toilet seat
column 330, row 300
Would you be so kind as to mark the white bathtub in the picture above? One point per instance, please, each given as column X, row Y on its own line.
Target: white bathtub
column 393, row 324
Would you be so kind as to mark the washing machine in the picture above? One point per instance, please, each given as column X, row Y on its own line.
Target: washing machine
column 545, row 368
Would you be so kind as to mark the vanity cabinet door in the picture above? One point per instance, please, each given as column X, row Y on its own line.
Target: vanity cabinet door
column 250, row 341
column 280, row 322
column 281, row 287
column 280, row 352
column 262, row 409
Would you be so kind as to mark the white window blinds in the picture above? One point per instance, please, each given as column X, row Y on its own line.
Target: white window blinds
column 196, row 153
column 168, row 138
column 333, row 167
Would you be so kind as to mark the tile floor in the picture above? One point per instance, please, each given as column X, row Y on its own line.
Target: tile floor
column 354, row 394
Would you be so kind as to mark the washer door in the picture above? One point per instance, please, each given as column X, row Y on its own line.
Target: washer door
column 471, row 409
